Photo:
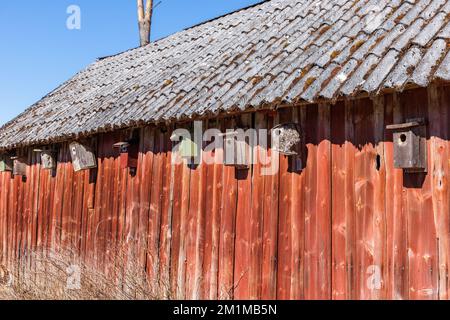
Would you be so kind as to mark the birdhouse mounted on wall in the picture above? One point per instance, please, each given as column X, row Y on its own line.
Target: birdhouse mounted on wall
column 6, row 163
column 129, row 151
column 410, row 145
column 48, row 158
column 287, row 139
column 237, row 151
column 187, row 149
column 19, row 166
column 83, row 157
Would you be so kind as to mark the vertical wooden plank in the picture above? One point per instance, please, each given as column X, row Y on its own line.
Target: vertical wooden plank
column 200, row 231
column 4, row 179
column 11, row 220
column 369, row 193
column 67, row 203
column 184, row 221
column 49, row 198
column 165, row 243
column 422, row 258
column 191, row 237
column 180, row 195
column 35, row 205
column 285, row 223
column 350, row 207
column 318, row 205
column 20, row 216
column 257, row 211
column 12, row 209
column 324, row 202
column 339, row 221
column 145, row 170
column 297, row 210
column 270, row 223
column 195, row 231
column 8, row 213
column 21, row 186
column 376, row 280
column 311, row 209
column 77, row 214
column 26, row 208
column 84, row 223
column 181, row 205
column 214, row 188
column 438, row 103
column 104, row 226
column 243, row 225
column 444, row 194
column 108, row 213
column 114, row 254
column 2, row 219
column 396, row 215
column 154, row 224
column 122, row 235
column 44, row 177
column 363, row 197
column 55, row 210
column 228, row 229
column 422, row 241
column 33, row 191
column 208, row 155
column 98, row 209
column 131, row 229
column 91, row 213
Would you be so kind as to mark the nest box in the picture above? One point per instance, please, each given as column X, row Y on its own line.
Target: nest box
column 6, row 163
column 83, row 156
column 129, row 151
column 48, row 158
column 410, row 145
column 287, row 138
column 19, row 166
column 187, row 147
column 237, row 151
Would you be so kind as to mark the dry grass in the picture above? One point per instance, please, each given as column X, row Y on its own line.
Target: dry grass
column 59, row 275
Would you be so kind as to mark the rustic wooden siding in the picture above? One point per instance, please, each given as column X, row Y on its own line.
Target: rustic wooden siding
column 322, row 231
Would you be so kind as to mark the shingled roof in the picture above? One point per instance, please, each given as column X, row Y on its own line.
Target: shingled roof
column 280, row 51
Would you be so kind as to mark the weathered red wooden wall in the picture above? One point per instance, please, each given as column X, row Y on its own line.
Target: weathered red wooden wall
column 323, row 232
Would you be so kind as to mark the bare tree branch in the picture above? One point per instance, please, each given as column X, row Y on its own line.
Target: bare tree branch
column 140, row 6
column 145, row 20
column 149, row 10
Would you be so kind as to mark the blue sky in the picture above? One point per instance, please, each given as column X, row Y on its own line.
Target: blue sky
column 38, row 52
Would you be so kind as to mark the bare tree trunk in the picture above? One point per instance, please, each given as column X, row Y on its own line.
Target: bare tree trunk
column 145, row 20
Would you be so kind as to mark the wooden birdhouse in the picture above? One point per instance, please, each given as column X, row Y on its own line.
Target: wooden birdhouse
column 129, row 151
column 187, row 148
column 237, row 151
column 410, row 145
column 6, row 163
column 83, row 156
column 287, row 139
column 48, row 158
column 19, row 166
